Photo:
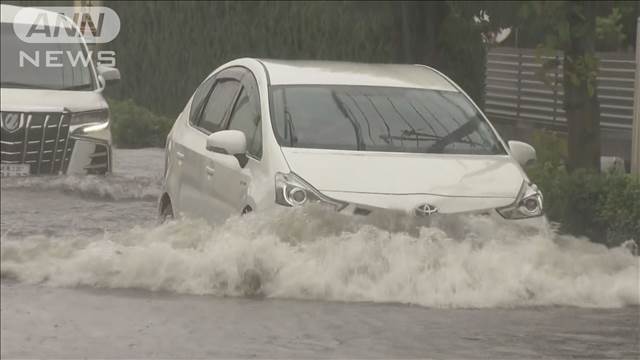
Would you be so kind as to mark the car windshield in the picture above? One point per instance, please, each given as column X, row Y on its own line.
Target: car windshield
column 55, row 66
column 387, row 119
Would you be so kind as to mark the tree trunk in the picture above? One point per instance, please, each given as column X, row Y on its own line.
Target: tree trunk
column 581, row 104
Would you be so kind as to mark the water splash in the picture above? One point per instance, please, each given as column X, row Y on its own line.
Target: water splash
column 138, row 176
column 314, row 254
column 110, row 187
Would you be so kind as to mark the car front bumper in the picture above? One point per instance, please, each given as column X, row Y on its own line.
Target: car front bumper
column 536, row 224
column 452, row 212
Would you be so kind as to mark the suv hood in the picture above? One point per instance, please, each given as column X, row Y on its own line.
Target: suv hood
column 50, row 100
column 495, row 176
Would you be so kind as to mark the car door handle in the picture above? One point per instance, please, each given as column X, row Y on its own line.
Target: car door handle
column 210, row 170
column 179, row 155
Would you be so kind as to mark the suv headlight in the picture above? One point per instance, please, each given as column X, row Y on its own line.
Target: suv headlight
column 94, row 120
column 528, row 204
column 291, row 190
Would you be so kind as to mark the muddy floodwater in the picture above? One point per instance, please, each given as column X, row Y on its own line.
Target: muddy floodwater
column 86, row 272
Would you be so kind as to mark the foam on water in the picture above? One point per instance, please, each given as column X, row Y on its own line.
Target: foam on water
column 314, row 254
column 137, row 176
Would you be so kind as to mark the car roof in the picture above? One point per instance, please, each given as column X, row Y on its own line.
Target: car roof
column 9, row 13
column 303, row 72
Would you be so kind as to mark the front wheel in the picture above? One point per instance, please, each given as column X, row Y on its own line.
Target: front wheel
column 166, row 214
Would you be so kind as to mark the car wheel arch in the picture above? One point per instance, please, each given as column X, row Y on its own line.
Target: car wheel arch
column 165, row 208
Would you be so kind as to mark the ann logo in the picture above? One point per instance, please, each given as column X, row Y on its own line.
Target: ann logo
column 66, row 24
column 83, row 21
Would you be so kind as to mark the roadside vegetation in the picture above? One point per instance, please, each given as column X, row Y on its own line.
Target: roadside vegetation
column 134, row 126
column 602, row 206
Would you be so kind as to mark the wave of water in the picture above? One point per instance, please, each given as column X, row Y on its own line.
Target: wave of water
column 313, row 254
column 110, row 187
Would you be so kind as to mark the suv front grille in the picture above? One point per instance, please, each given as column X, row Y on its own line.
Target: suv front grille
column 41, row 140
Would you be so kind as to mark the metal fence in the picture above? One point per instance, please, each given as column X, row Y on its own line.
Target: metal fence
column 516, row 91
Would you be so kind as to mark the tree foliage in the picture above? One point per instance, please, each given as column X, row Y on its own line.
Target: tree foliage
column 570, row 26
column 610, row 31
column 165, row 49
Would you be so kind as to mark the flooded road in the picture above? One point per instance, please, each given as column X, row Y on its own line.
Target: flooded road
column 87, row 272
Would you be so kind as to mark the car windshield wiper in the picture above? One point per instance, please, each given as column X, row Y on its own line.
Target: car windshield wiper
column 413, row 135
column 410, row 135
column 454, row 136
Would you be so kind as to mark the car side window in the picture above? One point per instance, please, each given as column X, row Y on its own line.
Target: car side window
column 199, row 99
column 246, row 117
column 219, row 101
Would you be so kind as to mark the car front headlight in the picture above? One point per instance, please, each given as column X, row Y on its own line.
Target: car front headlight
column 92, row 120
column 528, row 204
column 293, row 191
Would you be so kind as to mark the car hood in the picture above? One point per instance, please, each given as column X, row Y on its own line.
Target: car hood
column 50, row 100
column 405, row 173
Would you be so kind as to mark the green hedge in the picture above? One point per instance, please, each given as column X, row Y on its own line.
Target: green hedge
column 134, row 126
column 604, row 207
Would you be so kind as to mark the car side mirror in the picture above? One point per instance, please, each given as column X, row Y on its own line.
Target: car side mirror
column 522, row 152
column 229, row 142
column 108, row 74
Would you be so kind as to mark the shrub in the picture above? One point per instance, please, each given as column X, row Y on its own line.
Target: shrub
column 550, row 147
column 602, row 206
column 134, row 126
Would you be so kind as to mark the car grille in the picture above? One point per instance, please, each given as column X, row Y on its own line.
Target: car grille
column 41, row 140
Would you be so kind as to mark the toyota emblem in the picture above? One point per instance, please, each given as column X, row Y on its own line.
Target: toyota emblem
column 11, row 121
column 426, row 210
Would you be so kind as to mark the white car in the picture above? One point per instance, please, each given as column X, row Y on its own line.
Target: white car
column 360, row 138
column 54, row 118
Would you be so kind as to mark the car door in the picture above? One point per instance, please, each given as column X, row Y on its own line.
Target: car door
column 211, row 117
column 227, row 187
column 180, row 179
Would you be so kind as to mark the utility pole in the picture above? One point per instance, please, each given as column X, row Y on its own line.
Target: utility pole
column 635, row 134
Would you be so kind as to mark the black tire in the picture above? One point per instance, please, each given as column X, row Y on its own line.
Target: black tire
column 166, row 214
